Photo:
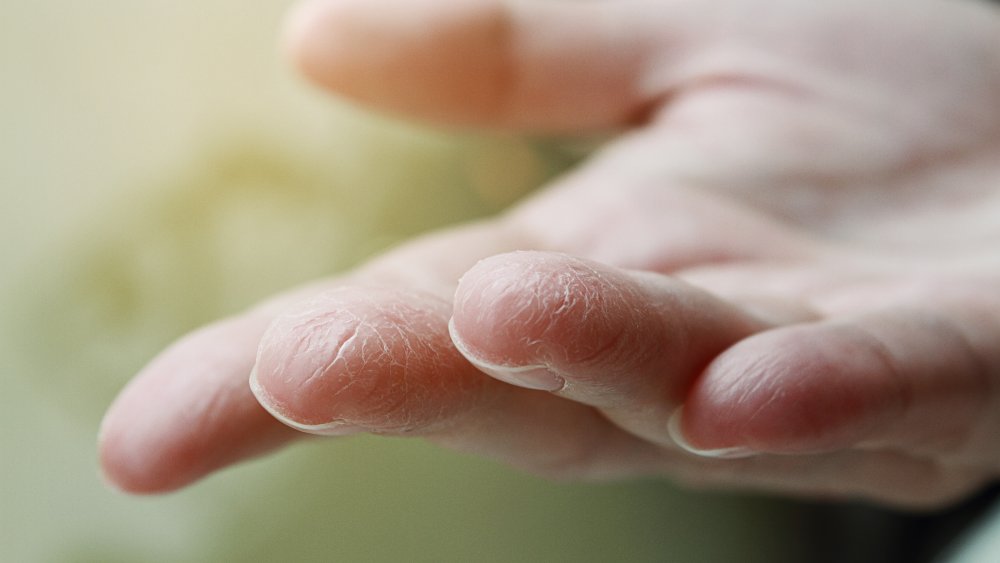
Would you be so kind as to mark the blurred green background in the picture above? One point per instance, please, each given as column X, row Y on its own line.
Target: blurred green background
column 160, row 167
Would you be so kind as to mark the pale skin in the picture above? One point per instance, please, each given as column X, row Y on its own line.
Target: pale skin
column 784, row 274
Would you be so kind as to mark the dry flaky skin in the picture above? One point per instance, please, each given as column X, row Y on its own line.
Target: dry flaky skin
column 824, row 178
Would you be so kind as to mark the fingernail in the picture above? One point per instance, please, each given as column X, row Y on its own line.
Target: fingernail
column 677, row 435
column 530, row 377
column 332, row 428
column 536, row 376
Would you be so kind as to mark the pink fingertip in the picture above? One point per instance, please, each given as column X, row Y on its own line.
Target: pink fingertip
column 534, row 376
column 676, row 433
column 332, row 428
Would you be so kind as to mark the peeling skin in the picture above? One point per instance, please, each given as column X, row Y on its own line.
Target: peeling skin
column 587, row 324
column 358, row 357
column 524, row 301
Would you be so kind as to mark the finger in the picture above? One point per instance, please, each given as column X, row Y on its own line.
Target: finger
column 368, row 359
column 482, row 62
column 410, row 381
column 628, row 343
column 337, row 363
column 565, row 438
column 919, row 377
column 189, row 412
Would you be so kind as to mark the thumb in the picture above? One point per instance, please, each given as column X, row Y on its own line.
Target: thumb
column 546, row 66
column 568, row 66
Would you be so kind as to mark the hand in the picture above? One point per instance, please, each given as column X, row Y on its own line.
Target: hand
column 820, row 182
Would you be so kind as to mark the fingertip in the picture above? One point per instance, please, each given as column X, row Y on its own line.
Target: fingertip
column 423, row 59
column 528, row 309
column 188, row 413
column 361, row 359
column 795, row 390
column 276, row 409
column 318, row 359
column 675, row 429
column 554, row 67
column 488, row 297
column 122, row 471
column 145, row 453
column 316, row 39
column 533, row 376
column 300, row 31
column 137, row 451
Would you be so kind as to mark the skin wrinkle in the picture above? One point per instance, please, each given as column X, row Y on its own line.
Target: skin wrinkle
column 539, row 311
column 754, row 372
column 565, row 296
column 533, row 304
column 390, row 340
column 558, row 308
column 529, row 310
column 384, row 395
column 776, row 396
column 722, row 70
column 307, row 323
column 399, row 387
column 576, row 309
column 338, row 349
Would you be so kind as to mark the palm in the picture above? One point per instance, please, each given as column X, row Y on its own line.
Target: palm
column 877, row 141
